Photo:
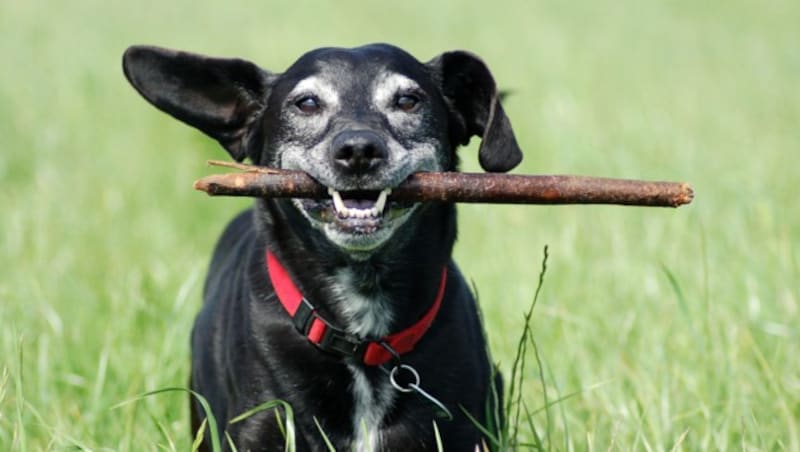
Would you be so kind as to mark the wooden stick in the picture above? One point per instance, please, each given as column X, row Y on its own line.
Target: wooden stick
column 262, row 182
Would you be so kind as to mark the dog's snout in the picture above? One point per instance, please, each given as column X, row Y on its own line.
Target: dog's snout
column 358, row 151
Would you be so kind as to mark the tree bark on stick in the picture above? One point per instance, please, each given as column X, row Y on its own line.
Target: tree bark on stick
column 261, row 182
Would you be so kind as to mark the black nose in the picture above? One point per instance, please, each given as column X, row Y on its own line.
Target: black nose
column 358, row 151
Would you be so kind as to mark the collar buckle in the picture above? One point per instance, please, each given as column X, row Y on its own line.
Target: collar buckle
column 340, row 342
column 323, row 335
column 304, row 317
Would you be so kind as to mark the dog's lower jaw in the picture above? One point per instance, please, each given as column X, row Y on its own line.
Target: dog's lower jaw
column 359, row 245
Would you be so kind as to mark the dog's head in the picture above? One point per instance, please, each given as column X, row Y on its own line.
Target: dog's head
column 360, row 121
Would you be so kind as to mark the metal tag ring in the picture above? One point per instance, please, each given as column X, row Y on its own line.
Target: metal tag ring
column 411, row 386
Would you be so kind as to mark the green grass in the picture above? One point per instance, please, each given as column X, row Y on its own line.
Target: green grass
column 666, row 328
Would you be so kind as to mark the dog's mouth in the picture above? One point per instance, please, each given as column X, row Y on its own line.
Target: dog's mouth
column 361, row 211
column 359, row 205
column 356, row 219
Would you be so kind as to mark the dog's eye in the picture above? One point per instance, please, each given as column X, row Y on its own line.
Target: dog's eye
column 407, row 102
column 308, row 104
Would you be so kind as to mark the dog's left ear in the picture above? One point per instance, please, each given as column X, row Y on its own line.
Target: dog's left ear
column 474, row 102
column 221, row 97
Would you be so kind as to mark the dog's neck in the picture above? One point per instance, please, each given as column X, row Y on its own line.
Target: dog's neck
column 375, row 295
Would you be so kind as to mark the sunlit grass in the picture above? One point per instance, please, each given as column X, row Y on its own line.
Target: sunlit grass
column 668, row 328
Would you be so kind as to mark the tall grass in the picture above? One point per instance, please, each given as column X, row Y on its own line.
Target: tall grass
column 668, row 328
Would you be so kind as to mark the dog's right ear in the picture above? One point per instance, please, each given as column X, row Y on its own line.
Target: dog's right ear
column 221, row 97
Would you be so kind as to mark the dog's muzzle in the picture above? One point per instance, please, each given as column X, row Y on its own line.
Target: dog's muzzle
column 360, row 217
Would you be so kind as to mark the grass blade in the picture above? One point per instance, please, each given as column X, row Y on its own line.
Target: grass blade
column 290, row 445
column 538, row 440
column 571, row 395
column 514, row 395
column 230, row 442
column 438, row 437
column 163, row 431
column 198, row 437
column 324, row 436
column 676, row 287
column 538, row 357
column 492, row 437
column 212, row 422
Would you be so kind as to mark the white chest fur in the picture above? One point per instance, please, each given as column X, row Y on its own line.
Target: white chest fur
column 365, row 316
column 370, row 405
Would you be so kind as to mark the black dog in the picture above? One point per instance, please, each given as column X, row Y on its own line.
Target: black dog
column 336, row 306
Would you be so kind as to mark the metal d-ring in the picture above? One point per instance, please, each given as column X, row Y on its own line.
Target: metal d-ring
column 443, row 412
column 411, row 386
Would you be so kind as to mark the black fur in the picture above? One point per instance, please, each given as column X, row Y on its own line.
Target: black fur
column 245, row 350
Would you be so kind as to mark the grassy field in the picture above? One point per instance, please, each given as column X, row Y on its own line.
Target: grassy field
column 670, row 329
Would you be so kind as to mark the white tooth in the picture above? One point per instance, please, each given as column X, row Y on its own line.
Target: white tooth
column 355, row 212
column 381, row 203
column 338, row 203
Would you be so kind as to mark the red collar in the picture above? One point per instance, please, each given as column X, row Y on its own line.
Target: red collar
column 330, row 338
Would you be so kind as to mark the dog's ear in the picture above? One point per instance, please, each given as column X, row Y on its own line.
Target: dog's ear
column 474, row 102
column 221, row 97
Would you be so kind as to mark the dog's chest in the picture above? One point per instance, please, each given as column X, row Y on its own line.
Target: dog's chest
column 365, row 314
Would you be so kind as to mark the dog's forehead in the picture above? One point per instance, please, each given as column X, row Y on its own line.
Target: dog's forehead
column 358, row 66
